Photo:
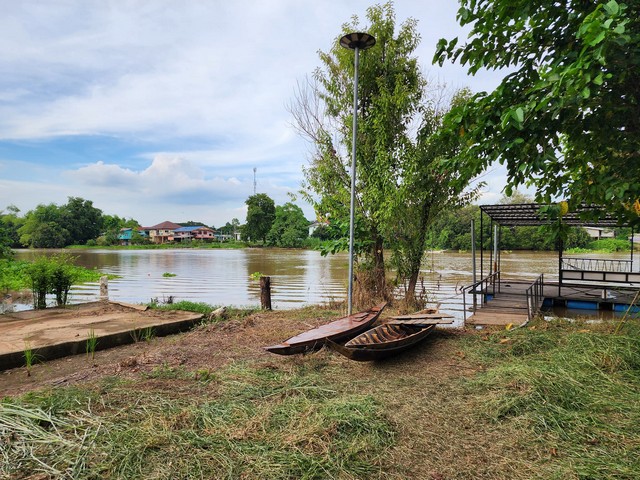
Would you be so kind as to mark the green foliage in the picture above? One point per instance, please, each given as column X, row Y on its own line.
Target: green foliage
column 30, row 357
column 261, row 213
column 197, row 307
column 10, row 222
column 400, row 185
column 54, row 274
column 169, row 275
column 566, row 118
column 13, row 275
column 338, row 233
column 81, row 219
column 610, row 245
column 53, row 226
column 92, row 344
column 290, row 227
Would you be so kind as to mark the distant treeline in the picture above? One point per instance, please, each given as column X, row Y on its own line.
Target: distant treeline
column 77, row 222
column 452, row 231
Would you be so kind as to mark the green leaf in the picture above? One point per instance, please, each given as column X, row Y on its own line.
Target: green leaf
column 518, row 114
column 612, row 7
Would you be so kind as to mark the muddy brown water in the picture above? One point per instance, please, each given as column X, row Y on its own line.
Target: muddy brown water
column 298, row 277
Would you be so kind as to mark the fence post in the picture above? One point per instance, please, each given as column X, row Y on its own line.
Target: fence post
column 265, row 293
column 104, row 287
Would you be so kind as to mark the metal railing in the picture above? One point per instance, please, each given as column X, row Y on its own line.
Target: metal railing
column 596, row 264
column 485, row 286
column 535, row 297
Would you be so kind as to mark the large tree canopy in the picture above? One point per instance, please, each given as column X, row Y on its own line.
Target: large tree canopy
column 399, row 185
column 290, row 227
column 261, row 212
column 567, row 117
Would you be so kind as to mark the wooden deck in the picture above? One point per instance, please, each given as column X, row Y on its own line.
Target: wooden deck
column 509, row 304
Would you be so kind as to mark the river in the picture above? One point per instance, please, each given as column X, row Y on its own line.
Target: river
column 298, row 277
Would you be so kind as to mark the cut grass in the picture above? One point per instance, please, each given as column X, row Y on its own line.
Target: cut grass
column 575, row 387
column 262, row 423
column 550, row 401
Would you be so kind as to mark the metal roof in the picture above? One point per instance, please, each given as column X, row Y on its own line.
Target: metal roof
column 521, row 214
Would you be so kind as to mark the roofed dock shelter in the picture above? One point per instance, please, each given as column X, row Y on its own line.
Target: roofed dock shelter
column 583, row 283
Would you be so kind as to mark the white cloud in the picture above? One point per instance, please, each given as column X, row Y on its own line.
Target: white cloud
column 169, row 75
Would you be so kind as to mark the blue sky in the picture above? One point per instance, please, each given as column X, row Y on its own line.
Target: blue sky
column 159, row 110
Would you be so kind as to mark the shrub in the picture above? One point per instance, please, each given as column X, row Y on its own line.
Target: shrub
column 610, row 245
column 54, row 275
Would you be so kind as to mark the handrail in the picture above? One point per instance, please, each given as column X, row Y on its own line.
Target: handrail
column 596, row 264
column 487, row 283
column 535, row 296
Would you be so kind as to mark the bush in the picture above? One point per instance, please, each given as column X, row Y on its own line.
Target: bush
column 54, row 275
column 610, row 245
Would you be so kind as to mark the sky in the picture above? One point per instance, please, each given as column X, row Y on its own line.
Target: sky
column 160, row 110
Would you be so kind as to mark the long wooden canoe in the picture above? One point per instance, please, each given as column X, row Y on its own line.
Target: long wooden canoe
column 382, row 341
column 339, row 330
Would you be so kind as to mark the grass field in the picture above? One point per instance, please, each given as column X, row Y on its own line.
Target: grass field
column 551, row 401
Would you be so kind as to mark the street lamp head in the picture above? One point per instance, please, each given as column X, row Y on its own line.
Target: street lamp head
column 357, row 40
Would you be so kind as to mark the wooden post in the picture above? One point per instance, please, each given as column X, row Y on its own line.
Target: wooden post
column 104, row 287
column 265, row 293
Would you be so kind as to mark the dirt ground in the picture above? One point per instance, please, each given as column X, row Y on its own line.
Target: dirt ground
column 205, row 347
column 438, row 437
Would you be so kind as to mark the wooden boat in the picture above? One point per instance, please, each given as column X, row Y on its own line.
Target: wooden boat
column 339, row 330
column 383, row 341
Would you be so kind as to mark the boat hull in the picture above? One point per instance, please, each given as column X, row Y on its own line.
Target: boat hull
column 339, row 330
column 382, row 342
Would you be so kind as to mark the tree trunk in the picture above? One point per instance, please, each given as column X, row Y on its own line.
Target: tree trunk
column 380, row 282
column 415, row 254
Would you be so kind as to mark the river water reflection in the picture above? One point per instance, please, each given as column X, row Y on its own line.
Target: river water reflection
column 298, row 277
column 217, row 277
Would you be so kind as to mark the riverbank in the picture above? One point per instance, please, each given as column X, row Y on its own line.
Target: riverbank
column 549, row 401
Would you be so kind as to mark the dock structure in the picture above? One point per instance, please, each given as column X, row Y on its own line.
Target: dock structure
column 582, row 282
column 505, row 304
column 511, row 301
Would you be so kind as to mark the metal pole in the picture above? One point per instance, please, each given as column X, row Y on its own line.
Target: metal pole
column 353, row 181
column 473, row 262
column 632, row 243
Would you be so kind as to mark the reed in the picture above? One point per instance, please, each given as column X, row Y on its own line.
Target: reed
column 92, row 343
column 30, row 357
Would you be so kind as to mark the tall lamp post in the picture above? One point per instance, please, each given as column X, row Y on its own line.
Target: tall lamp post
column 354, row 41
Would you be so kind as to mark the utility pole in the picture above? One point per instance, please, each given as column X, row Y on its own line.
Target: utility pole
column 254, row 180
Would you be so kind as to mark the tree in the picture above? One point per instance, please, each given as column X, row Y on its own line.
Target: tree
column 10, row 222
column 261, row 212
column 399, row 184
column 81, row 219
column 567, row 118
column 37, row 222
column 290, row 227
column 49, row 235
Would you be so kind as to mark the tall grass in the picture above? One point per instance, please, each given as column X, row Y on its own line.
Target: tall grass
column 576, row 387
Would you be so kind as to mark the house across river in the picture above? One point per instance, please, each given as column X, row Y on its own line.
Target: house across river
column 169, row 232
